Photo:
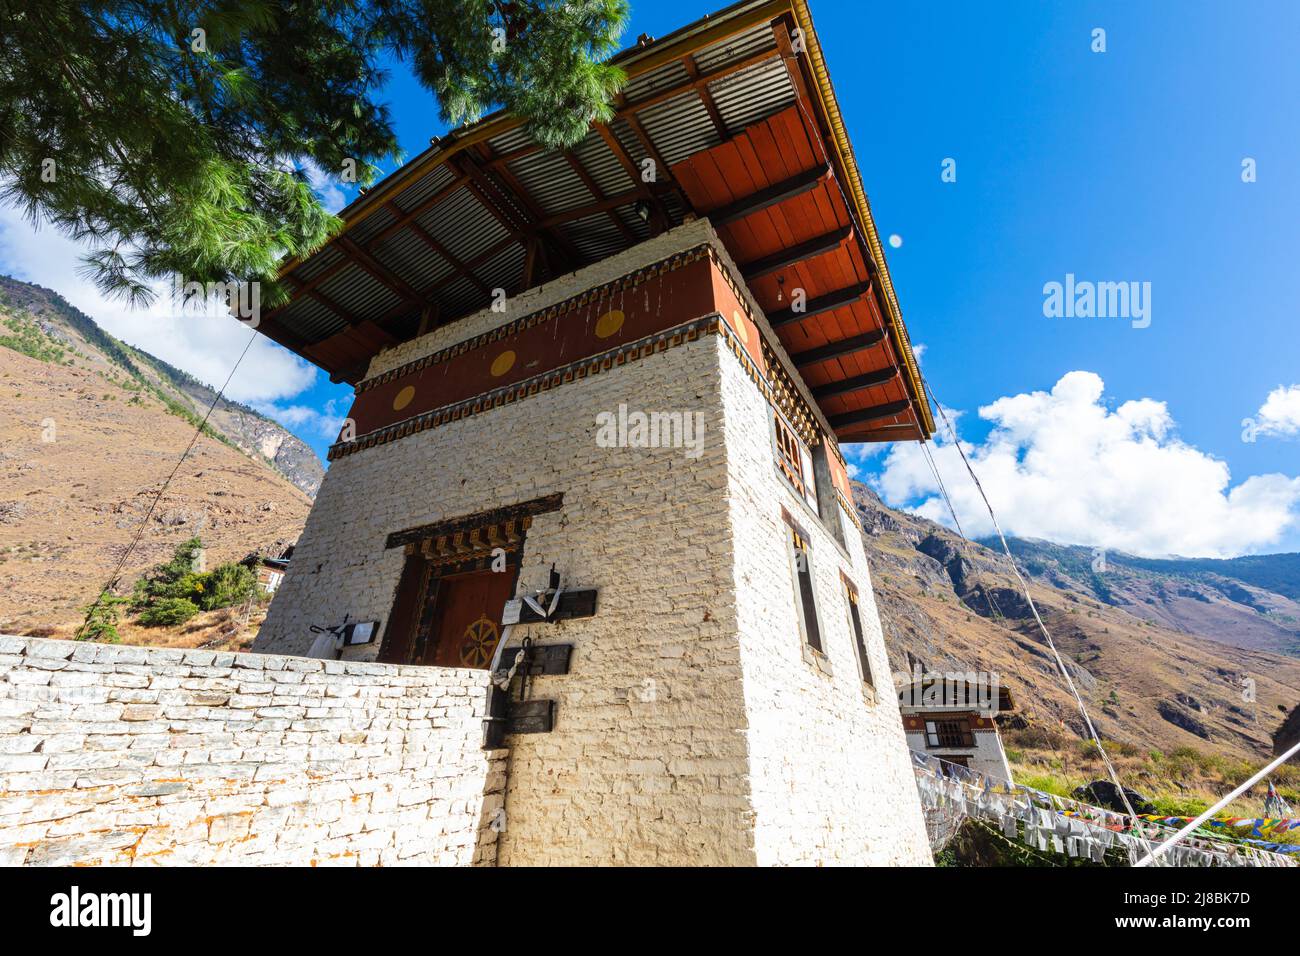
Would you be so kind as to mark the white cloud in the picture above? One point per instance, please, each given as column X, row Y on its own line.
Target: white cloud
column 1060, row 465
column 305, row 420
column 1280, row 413
column 325, row 187
column 202, row 343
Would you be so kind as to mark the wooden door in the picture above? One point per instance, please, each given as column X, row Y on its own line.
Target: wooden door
column 463, row 624
column 408, row 602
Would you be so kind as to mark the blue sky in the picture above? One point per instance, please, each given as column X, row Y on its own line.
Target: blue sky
column 1117, row 166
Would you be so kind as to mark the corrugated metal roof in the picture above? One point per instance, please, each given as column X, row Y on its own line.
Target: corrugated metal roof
column 551, row 182
column 310, row 319
column 668, row 75
column 679, row 127
column 461, row 224
column 460, row 297
column 412, row 258
column 318, row 263
column 362, row 295
column 726, row 51
column 371, row 226
column 504, row 270
column 510, row 141
column 595, row 236
column 753, row 94
column 602, row 165
column 423, row 188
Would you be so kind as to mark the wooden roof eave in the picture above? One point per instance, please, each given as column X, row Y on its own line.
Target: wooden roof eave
column 840, row 140
column 808, row 74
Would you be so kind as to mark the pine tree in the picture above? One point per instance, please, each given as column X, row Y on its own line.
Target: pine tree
column 175, row 137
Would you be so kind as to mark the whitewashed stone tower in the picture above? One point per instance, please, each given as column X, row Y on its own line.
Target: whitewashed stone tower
column 647, row 430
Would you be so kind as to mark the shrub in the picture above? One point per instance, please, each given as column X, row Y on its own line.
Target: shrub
column 173, row 592
column 164, row 580
column 1178, row 806
column 101, row 623
column 226, row 586
column 168, row 611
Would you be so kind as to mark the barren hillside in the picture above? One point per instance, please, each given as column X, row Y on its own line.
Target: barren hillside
column 1146, row 684
column 85, row 444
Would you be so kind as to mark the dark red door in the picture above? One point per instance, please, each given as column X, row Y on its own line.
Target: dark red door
column 465, row 625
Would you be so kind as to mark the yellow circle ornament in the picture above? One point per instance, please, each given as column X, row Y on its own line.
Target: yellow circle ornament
column 403, row 398
column 503, row 363
column 738, row 323
column 609, row 323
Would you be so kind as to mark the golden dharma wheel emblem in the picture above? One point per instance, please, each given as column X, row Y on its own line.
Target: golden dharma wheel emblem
column 479, row 642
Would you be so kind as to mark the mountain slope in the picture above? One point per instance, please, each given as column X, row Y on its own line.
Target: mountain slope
column 949, row 604
column 1217, row 599
column 23, row 305
column 89, row 430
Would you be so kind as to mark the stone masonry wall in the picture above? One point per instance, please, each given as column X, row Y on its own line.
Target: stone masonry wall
column 830, row 777
column 646, row 763
column 134, row 755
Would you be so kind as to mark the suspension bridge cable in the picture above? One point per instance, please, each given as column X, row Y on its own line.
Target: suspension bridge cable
column 1024, row 586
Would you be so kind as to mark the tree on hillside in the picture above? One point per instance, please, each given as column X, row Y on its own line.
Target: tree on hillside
column 175, row 136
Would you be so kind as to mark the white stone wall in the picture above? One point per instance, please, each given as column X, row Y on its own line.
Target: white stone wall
column 647, row 762
column 113, row 755
column 830, row 777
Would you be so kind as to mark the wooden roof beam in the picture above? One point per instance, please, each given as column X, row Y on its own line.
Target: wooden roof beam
column 700, row 79
column 693, row 71
column 596, row 193
column 513, row 192
column 855, row 384
column 832, row 350
column 819, row 246
column 377, row 269
column 333, row 306
column 424, row 206
column 478, row 183
column 428, row 239
column 823, row 303
column 486, row 255
column 773, row 195
column 661, row 166
column 874, row 413
column 658, row 212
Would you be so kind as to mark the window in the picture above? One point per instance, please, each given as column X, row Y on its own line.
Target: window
column 804, row 594
column 794, row 461
column 855, row 625
column 948, row 733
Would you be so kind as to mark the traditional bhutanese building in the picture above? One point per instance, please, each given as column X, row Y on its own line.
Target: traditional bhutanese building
column 954, row 717
column 614, row 380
